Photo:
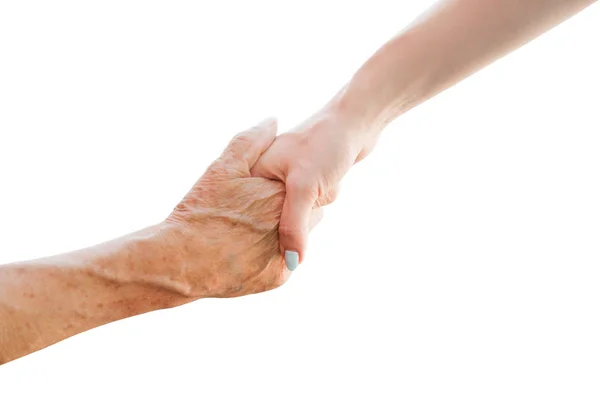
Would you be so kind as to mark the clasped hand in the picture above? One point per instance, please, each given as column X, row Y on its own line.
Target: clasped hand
column 252, row 210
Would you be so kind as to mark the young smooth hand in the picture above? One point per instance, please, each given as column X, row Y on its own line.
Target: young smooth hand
column 311, row 160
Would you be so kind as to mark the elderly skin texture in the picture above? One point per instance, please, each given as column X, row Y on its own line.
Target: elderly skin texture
column 220, row 241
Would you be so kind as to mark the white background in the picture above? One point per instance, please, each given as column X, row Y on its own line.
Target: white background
column 461, row 258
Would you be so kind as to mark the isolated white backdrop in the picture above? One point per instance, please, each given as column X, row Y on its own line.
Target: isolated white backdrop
column 461, row 259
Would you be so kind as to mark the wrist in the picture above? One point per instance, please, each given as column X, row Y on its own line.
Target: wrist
column 47, row 300
column 354, row 120
column 150, row 258
column 389, row 84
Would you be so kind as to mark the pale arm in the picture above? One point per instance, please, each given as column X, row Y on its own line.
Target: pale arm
column 451, row 41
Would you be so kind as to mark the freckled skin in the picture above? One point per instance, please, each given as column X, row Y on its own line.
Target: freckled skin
column 220, row 241
column 238, row 232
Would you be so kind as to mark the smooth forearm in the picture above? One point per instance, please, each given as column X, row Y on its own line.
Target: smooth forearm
column 450, row 42
column 47, row 300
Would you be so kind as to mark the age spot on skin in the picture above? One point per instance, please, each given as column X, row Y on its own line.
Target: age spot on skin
column 70, row 285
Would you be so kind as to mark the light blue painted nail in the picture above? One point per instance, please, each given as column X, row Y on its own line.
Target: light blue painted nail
column 291, row 260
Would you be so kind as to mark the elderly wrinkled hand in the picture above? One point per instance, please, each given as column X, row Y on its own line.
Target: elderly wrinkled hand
column 227, row 225
column 220, row 241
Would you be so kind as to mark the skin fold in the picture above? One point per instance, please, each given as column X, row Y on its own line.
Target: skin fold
column 220, row 241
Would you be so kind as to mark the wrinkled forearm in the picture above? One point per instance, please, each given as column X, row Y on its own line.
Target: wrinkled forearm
column 47, row 300
column 454, row 39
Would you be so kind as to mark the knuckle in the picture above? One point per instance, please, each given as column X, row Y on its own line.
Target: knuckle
column 329, row 197
column 240, row 144
column 218, row 169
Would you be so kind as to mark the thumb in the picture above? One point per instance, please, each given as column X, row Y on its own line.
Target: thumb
column 294, row 226
column 246, row 147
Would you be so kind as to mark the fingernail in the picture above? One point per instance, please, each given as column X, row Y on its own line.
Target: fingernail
column 291, row 260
